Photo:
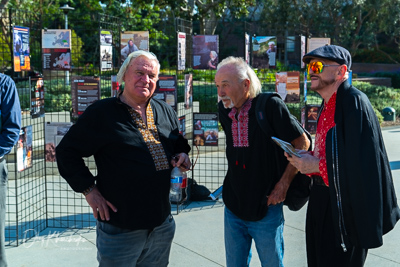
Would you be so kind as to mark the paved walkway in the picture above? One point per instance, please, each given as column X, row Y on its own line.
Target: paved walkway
column 199, row 236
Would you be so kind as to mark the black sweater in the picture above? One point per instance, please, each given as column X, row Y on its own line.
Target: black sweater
column 126, row 174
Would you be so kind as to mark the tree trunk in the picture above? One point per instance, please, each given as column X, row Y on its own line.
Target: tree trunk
column 202, row 25
column 211, row 24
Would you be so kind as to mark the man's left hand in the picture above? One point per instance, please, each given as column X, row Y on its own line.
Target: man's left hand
column 306, row 164
column 278, row 194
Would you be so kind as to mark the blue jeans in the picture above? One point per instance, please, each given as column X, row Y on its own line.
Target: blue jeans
column 138, row 248
column 3, row 198
column 267, row 234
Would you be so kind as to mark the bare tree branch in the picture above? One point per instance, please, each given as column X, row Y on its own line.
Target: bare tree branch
column 383, row 52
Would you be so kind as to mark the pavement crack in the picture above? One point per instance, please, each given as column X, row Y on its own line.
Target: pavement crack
column 198, row 254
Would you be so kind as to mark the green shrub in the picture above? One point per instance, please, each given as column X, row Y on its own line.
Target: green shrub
column 206, row 94
column 380, row 96
column 395, row 76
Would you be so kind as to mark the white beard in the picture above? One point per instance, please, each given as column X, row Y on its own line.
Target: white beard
column 231, row 105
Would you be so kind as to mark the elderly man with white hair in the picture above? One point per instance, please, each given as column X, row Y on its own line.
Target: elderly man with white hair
column 135, row 142
column 258, row 174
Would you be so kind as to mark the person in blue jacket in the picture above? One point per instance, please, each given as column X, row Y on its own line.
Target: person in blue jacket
column 10, row 126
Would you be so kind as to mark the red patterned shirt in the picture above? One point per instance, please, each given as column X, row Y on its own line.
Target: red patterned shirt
column 240, row 126
column 326, row 121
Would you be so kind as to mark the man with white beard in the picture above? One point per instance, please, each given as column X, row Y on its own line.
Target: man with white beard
column 258, row 174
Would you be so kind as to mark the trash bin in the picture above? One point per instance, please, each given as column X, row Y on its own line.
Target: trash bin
column 389, row 114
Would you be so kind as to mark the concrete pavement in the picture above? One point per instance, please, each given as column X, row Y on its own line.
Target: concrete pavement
column 199, row 236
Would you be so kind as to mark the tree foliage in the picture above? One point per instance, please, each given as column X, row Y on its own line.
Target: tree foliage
column 355, row 24
column 359, row 25
column 207, row 12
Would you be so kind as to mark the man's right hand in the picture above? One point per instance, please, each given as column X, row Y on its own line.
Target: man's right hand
column 99, row 204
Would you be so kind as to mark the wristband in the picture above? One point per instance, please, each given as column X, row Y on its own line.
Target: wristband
column 90, row 189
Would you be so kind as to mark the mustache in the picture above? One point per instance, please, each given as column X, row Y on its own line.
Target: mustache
column 229, row 99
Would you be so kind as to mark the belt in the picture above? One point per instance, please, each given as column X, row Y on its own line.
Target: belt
column 317, row 180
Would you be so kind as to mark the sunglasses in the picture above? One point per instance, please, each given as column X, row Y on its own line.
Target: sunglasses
column 317, row 67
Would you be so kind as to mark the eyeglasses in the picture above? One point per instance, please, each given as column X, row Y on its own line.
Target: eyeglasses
column 317, row 67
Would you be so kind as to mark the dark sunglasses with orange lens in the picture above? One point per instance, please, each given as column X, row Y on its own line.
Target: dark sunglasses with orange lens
column 317, row 67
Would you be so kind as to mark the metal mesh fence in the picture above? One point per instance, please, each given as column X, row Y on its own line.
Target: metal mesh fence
column 37, row 196
column 26, row 199
column 65, row 207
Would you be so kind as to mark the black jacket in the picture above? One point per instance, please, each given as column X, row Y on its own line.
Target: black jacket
column 364, row 203
column 126, row 173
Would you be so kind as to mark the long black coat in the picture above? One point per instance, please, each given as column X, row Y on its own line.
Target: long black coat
column 364, row 203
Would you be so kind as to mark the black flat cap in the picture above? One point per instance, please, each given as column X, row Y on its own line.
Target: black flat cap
column 332, row 52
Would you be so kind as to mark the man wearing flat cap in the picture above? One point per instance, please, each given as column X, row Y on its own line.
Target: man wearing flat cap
column 353, row 201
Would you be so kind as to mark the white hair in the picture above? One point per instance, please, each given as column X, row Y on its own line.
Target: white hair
column 214, row 54
column 243, row 72
column 133, row 56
